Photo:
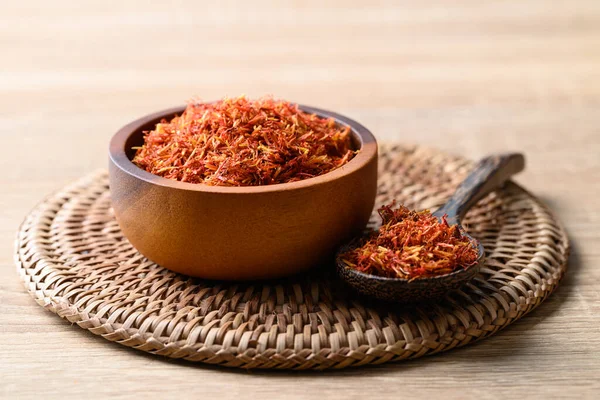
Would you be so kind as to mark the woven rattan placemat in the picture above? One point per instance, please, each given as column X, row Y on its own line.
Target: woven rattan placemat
column 75, row 262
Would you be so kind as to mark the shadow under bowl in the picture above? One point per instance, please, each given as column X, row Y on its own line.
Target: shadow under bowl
column 240, row 233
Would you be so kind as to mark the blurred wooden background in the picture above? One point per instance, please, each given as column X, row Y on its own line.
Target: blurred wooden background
column 468, row 76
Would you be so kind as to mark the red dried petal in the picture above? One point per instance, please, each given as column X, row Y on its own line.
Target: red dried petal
column 239, row 142
column 412, row 245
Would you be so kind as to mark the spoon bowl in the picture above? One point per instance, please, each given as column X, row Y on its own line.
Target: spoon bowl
column 406, row 290
column 488, row 175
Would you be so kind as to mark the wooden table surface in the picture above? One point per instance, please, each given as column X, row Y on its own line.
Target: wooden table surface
column 467, row 76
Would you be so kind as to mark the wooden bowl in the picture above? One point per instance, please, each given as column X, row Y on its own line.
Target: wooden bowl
column 240, row 233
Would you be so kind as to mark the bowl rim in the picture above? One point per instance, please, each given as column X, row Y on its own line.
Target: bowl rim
column 118, row 156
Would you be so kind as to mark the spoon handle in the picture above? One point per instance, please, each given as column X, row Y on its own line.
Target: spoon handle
column 489, row 174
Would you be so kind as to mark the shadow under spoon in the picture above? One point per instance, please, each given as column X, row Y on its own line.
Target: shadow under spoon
column 489, row 174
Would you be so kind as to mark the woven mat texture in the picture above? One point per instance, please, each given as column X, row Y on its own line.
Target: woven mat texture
column 74, row 260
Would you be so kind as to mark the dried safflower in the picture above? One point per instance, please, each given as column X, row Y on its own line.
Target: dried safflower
column 240, row 142
column 411, row 245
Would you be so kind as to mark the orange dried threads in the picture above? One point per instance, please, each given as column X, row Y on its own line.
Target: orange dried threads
column 412, row 245
column 239, row 142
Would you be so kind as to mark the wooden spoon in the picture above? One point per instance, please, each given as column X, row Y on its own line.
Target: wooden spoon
column 489, row 174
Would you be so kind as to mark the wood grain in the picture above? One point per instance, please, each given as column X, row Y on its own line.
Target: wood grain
column 489, row 174
column 468, row 76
